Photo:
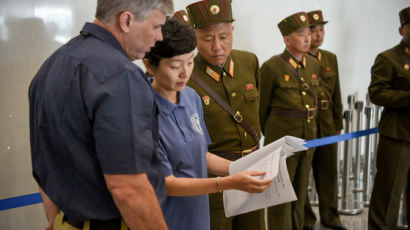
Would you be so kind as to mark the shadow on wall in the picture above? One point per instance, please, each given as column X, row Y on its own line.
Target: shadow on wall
column 26, row 43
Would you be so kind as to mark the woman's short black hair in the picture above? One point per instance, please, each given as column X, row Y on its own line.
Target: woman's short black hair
column 178, row 38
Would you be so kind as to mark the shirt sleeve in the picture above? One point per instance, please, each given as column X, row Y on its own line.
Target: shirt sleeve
column 337, row 100
column 266, row 89
column 165, row 164
column 121, row 109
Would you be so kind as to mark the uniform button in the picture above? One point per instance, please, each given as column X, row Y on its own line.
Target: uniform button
column 303, row 93
column 302, row 79
column 299, row 66
column 308, row 121
column 245, row 134
column 323, row 94
column 233, row 94
column 224, row 74
column 307, row 106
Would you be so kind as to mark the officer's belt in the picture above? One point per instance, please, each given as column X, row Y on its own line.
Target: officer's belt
column 309, row 113
column 235, row 115
column 235, row 155
column 114, row 224
column 329, row 102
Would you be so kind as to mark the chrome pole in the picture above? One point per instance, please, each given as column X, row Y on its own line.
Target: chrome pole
column 368, row 111
column 358, row 147
column 402, row 221
column 314, row 200
column 352, row 102
column 349, row 205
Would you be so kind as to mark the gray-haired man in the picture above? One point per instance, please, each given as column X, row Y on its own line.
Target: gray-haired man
column 93, row 123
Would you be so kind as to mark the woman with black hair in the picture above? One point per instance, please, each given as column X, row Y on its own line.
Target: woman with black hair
column 184, row 137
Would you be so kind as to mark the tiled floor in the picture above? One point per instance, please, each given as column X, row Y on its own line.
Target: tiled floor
column 352, row 222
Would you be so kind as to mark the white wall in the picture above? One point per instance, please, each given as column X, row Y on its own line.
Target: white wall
column 356, row 32
column 31, row 29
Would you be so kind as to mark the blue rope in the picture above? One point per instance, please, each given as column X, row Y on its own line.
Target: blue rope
column 35, row 198
column 337, row 138
column 19, row 201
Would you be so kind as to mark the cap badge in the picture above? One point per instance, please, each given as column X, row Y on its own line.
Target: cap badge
column 406, row 67
column 316, row 17
column 185, row 18
column 287, row 77
column 302, row 18
column 214, row 9
column 206, row 100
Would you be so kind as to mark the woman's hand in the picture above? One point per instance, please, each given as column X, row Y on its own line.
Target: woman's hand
column 245, row 181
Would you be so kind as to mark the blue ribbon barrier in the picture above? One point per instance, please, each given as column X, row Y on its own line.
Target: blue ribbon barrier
column 19, row 201
column 337, row 138
column 35, row 198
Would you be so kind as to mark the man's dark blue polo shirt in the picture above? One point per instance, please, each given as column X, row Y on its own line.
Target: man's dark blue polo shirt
column 92, row 112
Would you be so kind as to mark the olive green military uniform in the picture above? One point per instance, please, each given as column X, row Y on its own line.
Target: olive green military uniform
column 390, row 88
column 324, row 163
column 282, row 96
column 237, row 83
column 280, row 89
column 329, row 120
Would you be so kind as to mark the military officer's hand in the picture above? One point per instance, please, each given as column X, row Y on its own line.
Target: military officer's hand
column 247, row 181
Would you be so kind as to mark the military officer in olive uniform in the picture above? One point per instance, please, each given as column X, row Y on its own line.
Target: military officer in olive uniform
column 289, row 106
column 390, row 88
column 330, row 122
column 234, row 76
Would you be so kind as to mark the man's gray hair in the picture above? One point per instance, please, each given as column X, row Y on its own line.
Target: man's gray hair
column 107, row 9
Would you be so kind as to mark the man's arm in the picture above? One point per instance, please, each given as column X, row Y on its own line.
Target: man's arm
column 136, row 200
column 266, row 84
column 50, row 208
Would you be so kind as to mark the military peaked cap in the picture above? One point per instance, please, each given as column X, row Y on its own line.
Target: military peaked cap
column 209, row 12
column 404, row 16
column 293, row 23
column 316, row 18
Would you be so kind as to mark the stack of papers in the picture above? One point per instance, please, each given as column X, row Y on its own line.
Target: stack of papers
column 272, row 160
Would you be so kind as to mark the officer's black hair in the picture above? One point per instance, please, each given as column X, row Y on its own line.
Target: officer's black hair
column 178, row 38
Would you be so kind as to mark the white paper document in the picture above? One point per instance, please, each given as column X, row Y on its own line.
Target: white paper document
column 272, row 160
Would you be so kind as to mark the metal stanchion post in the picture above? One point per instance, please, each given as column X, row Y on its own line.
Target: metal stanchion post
column 312, row 191
column 402, row 221
column 368, row 111
column 349, row 205
column 351, row 100
column 356, row 170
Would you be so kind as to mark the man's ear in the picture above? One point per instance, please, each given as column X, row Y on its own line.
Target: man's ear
column 148, row 66
column 286, row 40
column 401, row 30
column 125, row 19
